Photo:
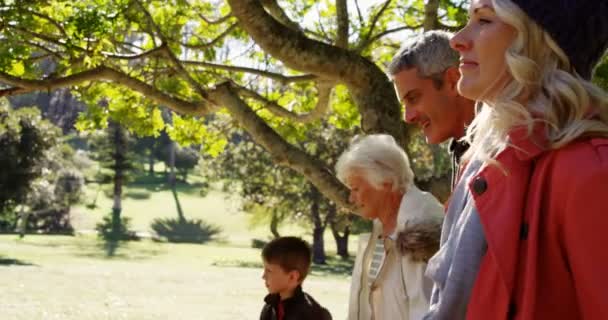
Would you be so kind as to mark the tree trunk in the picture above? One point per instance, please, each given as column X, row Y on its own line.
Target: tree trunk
column 341, row 240
column 171, row 164
column 318, row 244
column 22, row 225
column 274, row 224
column 151, row 161
column 120, row 150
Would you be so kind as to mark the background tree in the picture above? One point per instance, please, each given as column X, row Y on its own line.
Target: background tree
column 145, row 53
column 276, row 194
column 25, row 139
column 113, row 149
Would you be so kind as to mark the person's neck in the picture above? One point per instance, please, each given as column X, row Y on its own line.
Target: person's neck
column 388, row 215
column 468, row 114
column 288, row 293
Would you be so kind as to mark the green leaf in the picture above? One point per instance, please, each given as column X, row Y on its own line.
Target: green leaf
column 17, row 68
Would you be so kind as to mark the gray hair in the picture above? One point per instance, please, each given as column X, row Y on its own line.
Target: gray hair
column 378, row 159
column 429, row 52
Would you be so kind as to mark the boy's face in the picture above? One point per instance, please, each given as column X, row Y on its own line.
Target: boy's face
column 278, row 280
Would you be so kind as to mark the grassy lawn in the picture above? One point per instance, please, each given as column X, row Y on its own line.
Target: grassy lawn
column 61, row 277
column 148, row 198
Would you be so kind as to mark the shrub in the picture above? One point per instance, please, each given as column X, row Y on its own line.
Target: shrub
column 186, row 231
column 104, row 229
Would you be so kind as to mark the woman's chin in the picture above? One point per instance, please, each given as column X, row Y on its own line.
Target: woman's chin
column 469, row 89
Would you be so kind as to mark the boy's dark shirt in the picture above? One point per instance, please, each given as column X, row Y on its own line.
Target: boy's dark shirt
column 301, row 306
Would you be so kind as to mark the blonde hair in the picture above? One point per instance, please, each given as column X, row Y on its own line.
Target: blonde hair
column 555, row 94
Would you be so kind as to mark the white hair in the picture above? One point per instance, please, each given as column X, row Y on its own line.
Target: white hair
column 378, row 159
column 554, row 94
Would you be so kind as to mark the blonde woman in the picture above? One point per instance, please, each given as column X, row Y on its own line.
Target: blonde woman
column 524, row 231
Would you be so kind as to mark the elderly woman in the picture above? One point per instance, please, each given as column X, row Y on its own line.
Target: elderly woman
column 537, row 172
column 388, row 278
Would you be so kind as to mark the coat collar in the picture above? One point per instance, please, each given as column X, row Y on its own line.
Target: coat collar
column 527, row 142
column 273, row 299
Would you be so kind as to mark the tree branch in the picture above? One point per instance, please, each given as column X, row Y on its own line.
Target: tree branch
column 375, row 20
column 45, row 17
column 431, row 9
column 170, row 55
column 449, row 28
column 324, row 92
column 369, row 86
column 21, row 86
column 212, row 42
column 278, row 13
column 284, row 153
column 373, row 39
column 299, row 52
column 217, row 21
column 342, row 17
column 146, row 54
column 361, row 22
column 271, row 75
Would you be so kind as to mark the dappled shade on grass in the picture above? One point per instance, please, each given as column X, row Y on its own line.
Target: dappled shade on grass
column 13, row 262
column 184, row 231
column 334, row 266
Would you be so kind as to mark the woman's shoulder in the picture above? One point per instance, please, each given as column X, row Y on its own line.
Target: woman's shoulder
column 582, row 162
column 581, row 155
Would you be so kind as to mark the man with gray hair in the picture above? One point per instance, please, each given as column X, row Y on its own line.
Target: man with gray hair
column 388, row 280
column 425, row 73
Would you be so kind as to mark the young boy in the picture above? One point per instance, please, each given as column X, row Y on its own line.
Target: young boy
column 286, row 264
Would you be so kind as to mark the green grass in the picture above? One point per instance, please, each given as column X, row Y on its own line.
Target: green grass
column 62, row 277
column 216, row 207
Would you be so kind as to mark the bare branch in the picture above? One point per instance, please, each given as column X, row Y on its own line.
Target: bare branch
column 324, row 93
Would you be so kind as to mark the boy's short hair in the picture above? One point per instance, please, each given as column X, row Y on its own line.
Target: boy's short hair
column 290, row 253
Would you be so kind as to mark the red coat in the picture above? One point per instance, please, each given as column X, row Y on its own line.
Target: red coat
column 545, row 224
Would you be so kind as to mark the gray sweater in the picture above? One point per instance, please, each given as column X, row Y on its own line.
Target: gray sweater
column 454, row 268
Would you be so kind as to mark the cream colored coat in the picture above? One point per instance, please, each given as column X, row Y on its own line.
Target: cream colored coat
column 400, row 291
